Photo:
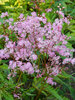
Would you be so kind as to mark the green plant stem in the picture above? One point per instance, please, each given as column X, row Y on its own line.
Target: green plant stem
column 19, row 77
column 18, row 81
column 41, row 89
column 40, row 92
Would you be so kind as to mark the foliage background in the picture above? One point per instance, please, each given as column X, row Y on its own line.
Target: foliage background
column 29, row 87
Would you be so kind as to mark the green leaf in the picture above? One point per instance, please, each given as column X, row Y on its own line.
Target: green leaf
column 69, row 45
column 3, row 61
column 1, row 20
column 7, row 3
column 73, row 78
column 44, row 38
column 7, row 95
column 68, row 1
column 72, row 39
column 0, row 95
column 1, row 77
column 52, row 91
column 29, row 94
column 4, row 66
column 64, row 74
column 64, row 98
column 72, row 91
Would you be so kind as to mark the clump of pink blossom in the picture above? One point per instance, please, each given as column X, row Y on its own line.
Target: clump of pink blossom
column 30, row 39
column 4, row 14
column 48, row 10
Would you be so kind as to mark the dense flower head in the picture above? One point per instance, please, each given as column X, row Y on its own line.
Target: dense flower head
column 48, row 10
column 4, row 14
column 33, row 37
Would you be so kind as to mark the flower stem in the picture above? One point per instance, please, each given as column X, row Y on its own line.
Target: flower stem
column 19, row 77
column 39, row 92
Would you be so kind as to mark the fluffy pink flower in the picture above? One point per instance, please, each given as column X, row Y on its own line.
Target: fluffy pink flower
column 73, row 61
column 32, row 37
column 21, row 16
column 11, row 19
column 4, row 14
column 48, row 10
column 16, row 96
column 60, row 13
column 50, row 81
column 33, row 14
column 31, row 70
column 34, row 57
column 12, row 64
column 28, row 65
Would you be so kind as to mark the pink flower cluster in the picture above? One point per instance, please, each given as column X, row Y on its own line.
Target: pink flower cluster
column 4, row 14
column 33, row 37
column 48, row 10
